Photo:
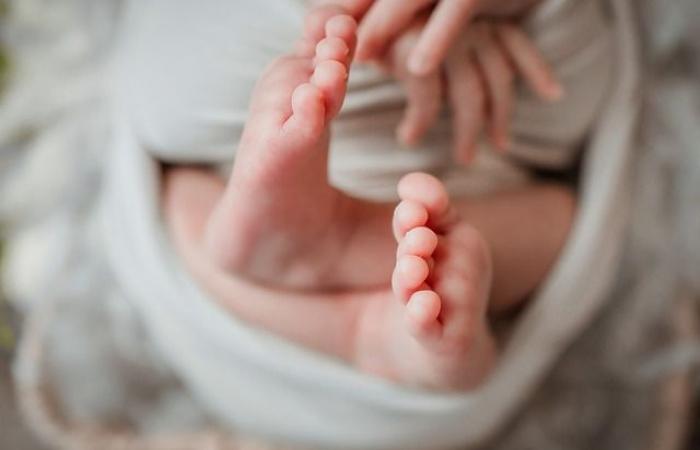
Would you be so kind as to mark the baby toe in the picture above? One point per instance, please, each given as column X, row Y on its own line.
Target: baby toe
column 344, row 27
column 423, row 309
column 426, row 190
column 307, row 122
column 407, row 216
column 331, row 78
column 420, row 241
column 409, row 275
column 317, row 20
column 332, row 48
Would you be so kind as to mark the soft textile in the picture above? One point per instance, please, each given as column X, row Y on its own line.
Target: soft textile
column 187, row 71
column 237, row 373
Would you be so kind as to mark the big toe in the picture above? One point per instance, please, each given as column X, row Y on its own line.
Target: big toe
column 428, row 191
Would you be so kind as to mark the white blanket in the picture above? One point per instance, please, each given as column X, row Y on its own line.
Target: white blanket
column 263, row 385
column 260, row 384
column 187, row 71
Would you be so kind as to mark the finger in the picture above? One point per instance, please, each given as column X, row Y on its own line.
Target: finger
column 424, row 99
column 446, row 23
column 423, row 94
column 400, row 49
column 529, row 62
column 383, row 22
column 467, row 99
column 499, row 81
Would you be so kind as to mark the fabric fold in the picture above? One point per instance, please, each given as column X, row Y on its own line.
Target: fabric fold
column 262, row 385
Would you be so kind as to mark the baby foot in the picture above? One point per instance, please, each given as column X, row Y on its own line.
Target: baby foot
column 435, row 334
column 280, row 221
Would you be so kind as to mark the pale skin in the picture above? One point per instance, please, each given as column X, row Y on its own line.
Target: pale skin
column 383, row 21
column 477, row 79
column 402, row 291
column 473, row 64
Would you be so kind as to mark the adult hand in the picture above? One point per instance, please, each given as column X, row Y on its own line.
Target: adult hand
column 477, row 78
column 384, row 20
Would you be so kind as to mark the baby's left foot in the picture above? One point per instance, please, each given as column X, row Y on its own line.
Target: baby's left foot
column 435, row 333
column 280, row 222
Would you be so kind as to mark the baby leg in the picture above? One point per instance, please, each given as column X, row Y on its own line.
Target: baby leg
column 526, row 229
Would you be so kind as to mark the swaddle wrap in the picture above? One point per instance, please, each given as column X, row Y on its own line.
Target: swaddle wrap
column 188, row 70
column 260, row 384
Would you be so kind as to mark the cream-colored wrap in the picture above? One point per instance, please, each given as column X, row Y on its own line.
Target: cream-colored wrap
column 171, row 108
column 188, row 70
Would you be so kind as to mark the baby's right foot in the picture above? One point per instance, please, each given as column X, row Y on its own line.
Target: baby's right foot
column 280, row 221
column 434, row 331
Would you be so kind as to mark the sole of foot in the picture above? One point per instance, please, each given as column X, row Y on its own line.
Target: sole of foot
column 434, row 333
column 279, row 220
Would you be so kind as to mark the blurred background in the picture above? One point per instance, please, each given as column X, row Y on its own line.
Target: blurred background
column 673, row 40
column 13, row 432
